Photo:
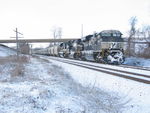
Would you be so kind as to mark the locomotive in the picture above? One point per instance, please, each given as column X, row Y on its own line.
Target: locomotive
column 104, row 47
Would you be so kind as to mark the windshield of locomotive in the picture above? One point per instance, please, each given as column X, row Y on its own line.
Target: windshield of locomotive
column 116, row 35
column 106, row 34
column 110, row 34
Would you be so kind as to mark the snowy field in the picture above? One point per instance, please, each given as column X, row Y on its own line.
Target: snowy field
column 5, row 51
column 41, row 85
column 133, row 61
column 134, row 94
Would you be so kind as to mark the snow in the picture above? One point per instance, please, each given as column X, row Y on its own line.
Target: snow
column 5, row 51
column 135, row 94
column 133, row 61
column 43, row 87
column 118, row 67
column 48, row 86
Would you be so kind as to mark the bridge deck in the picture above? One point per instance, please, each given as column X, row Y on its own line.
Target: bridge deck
column 36, row 40
column 55, row 40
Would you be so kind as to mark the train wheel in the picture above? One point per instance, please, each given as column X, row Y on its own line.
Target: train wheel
column 75, row 56
column 98, row 58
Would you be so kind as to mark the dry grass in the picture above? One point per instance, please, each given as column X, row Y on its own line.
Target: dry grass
column 5, row 60
column 145, row 53
column 13, row 59
column 142, row 53
column 18, row 70
column 18, row 64
column 93, row 100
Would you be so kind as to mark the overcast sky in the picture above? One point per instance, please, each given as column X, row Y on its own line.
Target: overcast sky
column 35, row 18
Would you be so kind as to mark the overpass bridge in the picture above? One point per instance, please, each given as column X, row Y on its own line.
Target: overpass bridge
column 63, row 40
column 36, row 40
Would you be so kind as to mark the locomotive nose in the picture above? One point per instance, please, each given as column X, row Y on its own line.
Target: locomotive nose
column 116, row 57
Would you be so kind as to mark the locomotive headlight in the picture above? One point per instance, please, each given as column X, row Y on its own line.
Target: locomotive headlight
column 75, row 44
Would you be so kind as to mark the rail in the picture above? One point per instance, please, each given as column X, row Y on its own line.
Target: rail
column 120, row 73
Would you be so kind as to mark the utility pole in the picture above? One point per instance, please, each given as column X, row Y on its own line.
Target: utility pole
column 17, row 43
column 31, row 49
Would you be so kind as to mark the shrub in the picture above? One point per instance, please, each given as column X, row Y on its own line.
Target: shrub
column 18, row 64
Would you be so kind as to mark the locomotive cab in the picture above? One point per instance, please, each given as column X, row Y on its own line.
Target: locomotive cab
column 111, row 36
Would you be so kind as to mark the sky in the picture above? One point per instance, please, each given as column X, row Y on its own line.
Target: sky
column 36, row 18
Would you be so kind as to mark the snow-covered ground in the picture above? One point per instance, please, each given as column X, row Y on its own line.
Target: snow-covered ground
column 134, row 94
column 5, row 51
column 38, row 85
column 133, row 61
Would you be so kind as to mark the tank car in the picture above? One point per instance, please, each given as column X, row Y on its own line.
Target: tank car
column 41, row 51
column 50, row 50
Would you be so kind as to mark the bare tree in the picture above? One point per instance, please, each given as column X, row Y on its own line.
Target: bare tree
column 138, row 32
column 146, row 34
column 54, row 32
column 132, row 22
column 57, row 32
column 146, row 31
column 132, row 32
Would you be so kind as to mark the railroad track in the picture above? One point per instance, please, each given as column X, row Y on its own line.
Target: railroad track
column 138, row 77
column 122, row 65
column 135, row 67
column 127, row 66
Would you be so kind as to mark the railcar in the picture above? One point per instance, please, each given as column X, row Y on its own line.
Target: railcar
column 41, row 51
column 106, row 47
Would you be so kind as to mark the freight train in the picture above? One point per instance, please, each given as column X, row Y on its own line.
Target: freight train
column 105, row 47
